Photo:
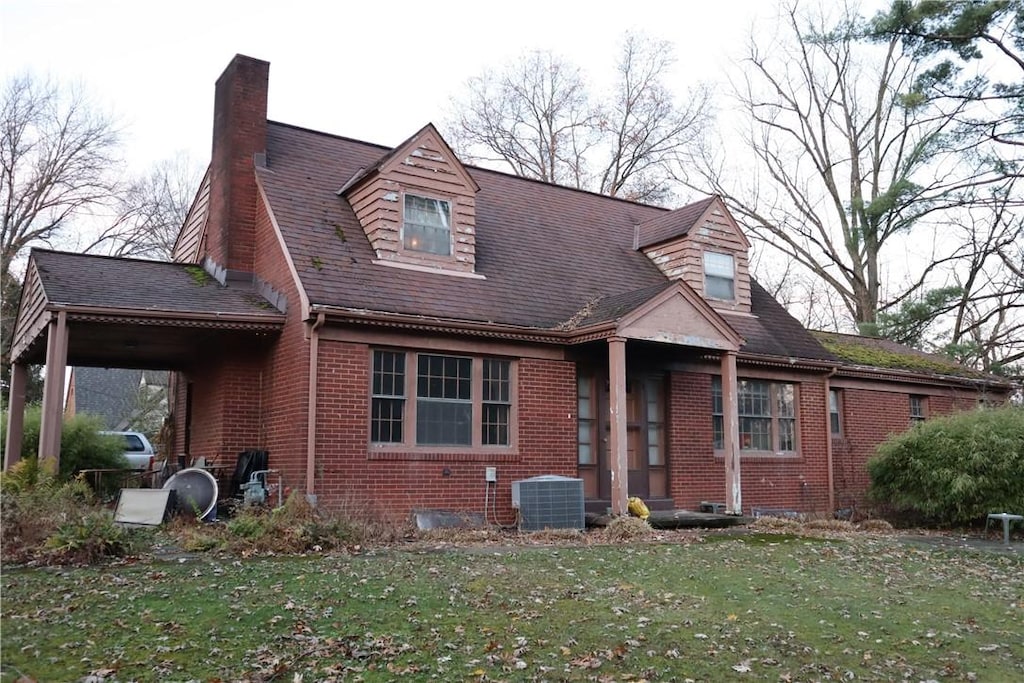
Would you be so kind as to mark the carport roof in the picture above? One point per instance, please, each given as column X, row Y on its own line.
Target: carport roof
column 89, row 281
column 132, row 313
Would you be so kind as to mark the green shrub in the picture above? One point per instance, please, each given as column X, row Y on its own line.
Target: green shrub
column 85, row 540
column 953, row 470
column 34, row 505
column 81, row 444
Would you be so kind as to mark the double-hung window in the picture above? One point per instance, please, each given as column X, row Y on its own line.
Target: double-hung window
column 436, row 400
column 767, row 415
column 918, row 409
column 719, row 276
column 427, row 225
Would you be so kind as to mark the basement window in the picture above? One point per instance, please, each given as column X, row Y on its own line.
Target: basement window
column 426, row 225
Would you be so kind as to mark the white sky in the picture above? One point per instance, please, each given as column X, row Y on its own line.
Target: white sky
column 370, row 71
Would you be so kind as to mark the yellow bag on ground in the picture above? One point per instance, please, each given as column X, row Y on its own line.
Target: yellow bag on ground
column 638, row 508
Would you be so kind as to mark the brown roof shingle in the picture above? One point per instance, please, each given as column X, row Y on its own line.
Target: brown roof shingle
column 545, row 252
column 86, row 280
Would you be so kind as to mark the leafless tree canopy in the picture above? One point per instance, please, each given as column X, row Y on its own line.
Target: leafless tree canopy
column 846, row 165
column 150, row 211
column 538, row 117
column 56, row 155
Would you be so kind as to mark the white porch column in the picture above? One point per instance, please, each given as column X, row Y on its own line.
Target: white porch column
column 53, row 393
column 730, row 406
column 617, row 460
column 15, row 415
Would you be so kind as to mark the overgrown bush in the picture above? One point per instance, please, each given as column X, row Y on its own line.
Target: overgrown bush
column 953, row 470
column 81, row 444
column 90, row 538
column 33, row 506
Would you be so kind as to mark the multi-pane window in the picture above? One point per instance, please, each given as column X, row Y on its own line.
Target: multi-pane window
column 918, row 409
column 655, row 426
column 586, row 452
column 834, row 422
column 426, row 225
column 766, row 412
column 497, row 402
column 719, row 275
column 444, row 400
column 388, row 397
column 458, row 400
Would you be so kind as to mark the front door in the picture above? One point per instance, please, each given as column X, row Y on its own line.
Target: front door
column 645, row 436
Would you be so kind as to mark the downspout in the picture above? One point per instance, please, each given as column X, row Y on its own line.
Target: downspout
column 314, row 352
column 828, row 440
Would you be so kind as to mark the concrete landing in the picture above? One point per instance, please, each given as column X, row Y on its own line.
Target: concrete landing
column 680, row 519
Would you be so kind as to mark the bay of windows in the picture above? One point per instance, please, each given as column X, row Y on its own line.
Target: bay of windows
column 766, row 411
column 426, row 399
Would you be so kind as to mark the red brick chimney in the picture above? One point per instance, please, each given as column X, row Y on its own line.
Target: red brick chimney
column 239, row 132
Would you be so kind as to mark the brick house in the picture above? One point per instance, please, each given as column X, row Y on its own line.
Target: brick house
column 388, row 323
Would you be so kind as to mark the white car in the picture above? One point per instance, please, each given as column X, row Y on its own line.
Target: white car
column 138, row 451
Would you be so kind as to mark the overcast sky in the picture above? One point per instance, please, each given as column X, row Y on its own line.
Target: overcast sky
column 371, row 71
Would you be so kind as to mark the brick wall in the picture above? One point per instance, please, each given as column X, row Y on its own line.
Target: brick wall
column 696, row 474
column 347, row 473
column 871, row 416
column 239, row 131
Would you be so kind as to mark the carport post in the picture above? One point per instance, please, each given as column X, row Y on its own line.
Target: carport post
column 53, row 393
column 15, row 415
column 730, row 406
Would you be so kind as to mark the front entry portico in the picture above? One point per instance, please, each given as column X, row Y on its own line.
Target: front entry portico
column 622, row 412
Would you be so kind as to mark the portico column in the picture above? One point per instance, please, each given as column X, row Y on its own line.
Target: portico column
column 730, row 406
column 53, row 393
column 15, row 415
column 617, row 457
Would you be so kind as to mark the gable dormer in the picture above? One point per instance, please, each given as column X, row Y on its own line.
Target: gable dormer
column 702, row 245
column 417, row 206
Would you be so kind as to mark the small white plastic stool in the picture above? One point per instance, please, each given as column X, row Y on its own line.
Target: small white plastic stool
column 1007, row 518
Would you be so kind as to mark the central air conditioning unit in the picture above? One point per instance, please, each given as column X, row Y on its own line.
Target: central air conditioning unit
column 549, row 502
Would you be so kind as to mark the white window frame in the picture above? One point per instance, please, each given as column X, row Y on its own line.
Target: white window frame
column 408, row 244
column 720, row 273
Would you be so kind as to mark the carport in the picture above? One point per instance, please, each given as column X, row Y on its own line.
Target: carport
column 79, row 309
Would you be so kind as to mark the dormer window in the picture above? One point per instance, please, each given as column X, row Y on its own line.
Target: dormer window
column 426, row 225
column 719, row 276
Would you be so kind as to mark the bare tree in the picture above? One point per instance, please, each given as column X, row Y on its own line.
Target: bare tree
column 150, row 210
column 534, row 115
column 841, row 161
column 537, row 117
column 56, row 154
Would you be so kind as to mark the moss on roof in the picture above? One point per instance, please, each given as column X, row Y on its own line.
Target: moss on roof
column 882, row 353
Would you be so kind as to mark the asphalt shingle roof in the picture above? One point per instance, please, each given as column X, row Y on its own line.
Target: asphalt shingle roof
column 546, row 252
column 132, row 284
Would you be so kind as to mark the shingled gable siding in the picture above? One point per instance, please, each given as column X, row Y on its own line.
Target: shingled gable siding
column 683, row 259
column 425, row 171
column 871, row 415
column 190, row 241
column 696, row 474
column 452, row 481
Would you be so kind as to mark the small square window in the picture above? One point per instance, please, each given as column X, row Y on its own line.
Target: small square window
column 719, row 276
column 426, row 225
